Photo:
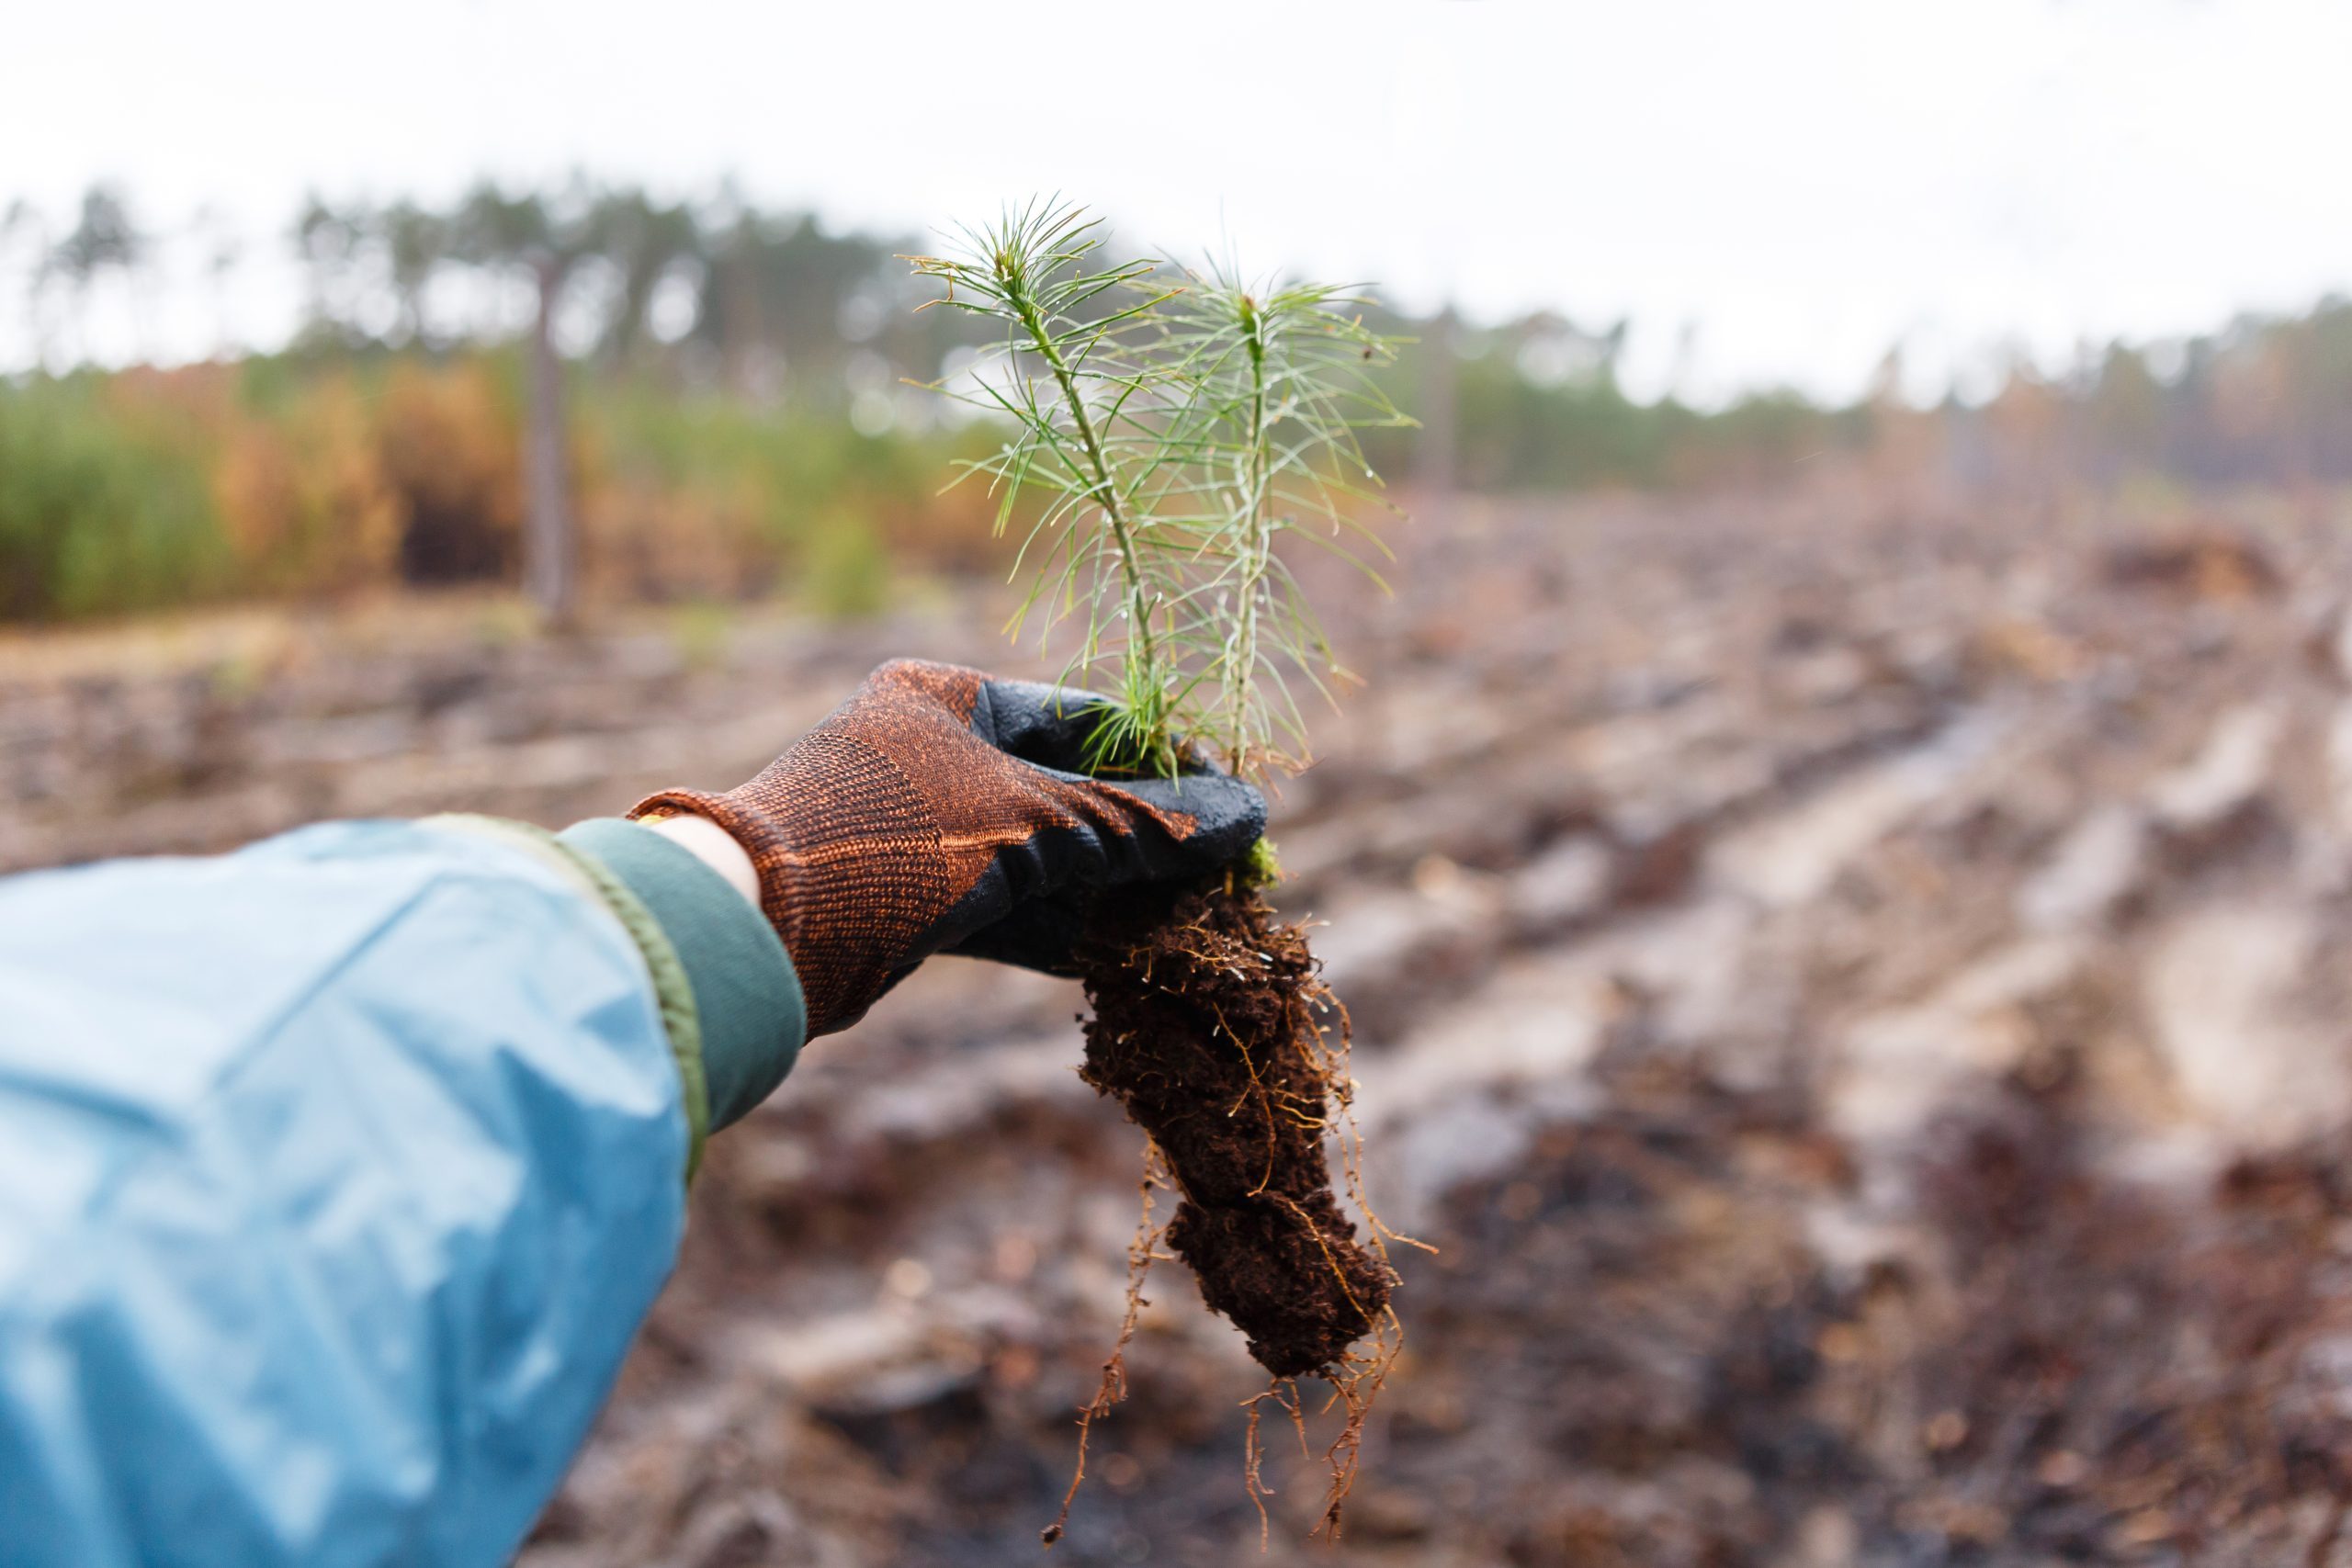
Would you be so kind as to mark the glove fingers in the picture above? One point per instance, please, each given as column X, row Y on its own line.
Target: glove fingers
column 1226, row 817
column 1027, row 906
column 1143, row 831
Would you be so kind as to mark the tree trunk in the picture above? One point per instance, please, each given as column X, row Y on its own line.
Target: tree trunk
column 550, row 548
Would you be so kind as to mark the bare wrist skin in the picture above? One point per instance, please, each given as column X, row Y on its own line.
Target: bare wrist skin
column 715, row 847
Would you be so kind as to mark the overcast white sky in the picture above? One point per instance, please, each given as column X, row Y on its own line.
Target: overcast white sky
column 1771, row 190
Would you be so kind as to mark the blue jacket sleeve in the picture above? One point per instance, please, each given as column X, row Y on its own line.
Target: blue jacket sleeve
column 335, row 1178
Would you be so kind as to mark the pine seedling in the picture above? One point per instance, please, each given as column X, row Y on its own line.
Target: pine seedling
column 1170, row 429
column 1281, row 380
column 1173, row 427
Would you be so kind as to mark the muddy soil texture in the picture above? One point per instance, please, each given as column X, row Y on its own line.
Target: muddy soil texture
column 1212, row 1029
column 1854, row 989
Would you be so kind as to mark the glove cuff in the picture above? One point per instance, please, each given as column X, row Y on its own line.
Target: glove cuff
column 762, row 839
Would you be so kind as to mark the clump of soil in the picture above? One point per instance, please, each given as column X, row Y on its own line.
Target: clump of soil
column 1212, row 1027
column 1215, row 1030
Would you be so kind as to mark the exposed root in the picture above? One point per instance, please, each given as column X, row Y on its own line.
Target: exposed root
column 1357, row 1379
column 1355, row 1385
column 1283, row 1393
column 1141, row 1252
column 1213, row 1030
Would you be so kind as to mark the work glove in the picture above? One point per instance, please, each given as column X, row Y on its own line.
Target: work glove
column 940, row 810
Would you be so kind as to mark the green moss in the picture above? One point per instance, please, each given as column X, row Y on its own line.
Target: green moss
column 1259, row 865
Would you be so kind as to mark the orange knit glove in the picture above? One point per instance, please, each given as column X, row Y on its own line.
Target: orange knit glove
column 939, row 809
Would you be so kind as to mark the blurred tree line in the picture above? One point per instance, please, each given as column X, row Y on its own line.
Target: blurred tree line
column 597, row 391
column 589, row 388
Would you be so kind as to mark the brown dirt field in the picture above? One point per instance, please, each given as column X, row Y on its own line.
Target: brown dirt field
column 1856, row 1001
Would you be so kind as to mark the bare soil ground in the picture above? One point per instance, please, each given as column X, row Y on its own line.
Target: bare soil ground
column 1856, row 1004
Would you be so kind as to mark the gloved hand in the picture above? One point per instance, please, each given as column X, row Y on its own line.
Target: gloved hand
column 939, row 809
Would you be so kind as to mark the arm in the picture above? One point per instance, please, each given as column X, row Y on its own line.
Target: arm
column 337, row 1174
column 334, row 1179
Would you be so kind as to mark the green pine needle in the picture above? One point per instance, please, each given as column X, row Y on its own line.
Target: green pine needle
column 1170, row 436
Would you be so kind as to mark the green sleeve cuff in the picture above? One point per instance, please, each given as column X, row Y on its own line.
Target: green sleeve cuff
column 746, row 996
